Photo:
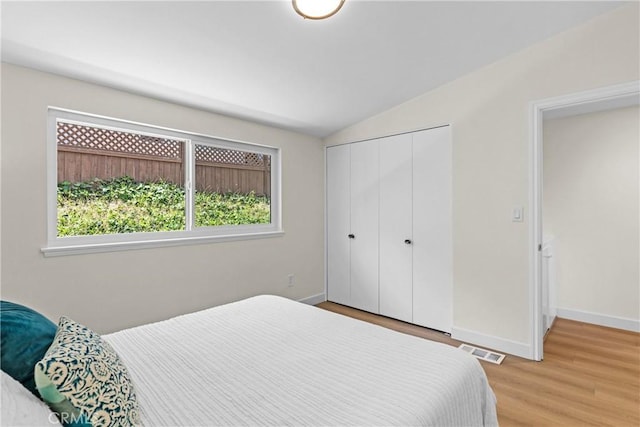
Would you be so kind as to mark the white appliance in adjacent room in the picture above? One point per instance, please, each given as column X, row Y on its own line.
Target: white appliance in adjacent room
column 549, row 307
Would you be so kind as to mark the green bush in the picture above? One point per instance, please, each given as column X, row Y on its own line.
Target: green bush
column 121, row 205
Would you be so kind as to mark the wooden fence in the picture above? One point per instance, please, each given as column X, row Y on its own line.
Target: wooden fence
column 86, row 153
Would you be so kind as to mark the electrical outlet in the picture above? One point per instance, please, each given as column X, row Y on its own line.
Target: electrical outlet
column 291, row 280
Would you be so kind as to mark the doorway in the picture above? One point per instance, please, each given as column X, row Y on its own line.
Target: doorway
column 613, row 97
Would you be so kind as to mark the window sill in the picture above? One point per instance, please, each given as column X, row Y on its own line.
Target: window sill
column 91, row 248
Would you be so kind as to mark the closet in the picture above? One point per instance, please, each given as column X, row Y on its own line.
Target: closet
column 389, row 239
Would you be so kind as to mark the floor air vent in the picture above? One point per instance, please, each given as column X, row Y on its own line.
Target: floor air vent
column 483, row 354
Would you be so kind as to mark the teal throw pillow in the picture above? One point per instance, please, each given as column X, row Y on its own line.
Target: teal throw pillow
column 83, row 380
column 26, row 336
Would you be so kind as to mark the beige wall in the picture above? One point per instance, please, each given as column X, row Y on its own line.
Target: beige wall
column 489, row 113
column 110, row 291
column 591, row 205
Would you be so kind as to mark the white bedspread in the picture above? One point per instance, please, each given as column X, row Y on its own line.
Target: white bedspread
column 271, row 361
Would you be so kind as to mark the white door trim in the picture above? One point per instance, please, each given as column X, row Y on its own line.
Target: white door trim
column 607, row 96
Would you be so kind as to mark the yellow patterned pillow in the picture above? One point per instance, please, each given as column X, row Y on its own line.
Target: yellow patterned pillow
column 84, row 381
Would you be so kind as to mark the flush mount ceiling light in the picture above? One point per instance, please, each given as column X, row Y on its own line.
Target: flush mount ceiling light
column 317, row 9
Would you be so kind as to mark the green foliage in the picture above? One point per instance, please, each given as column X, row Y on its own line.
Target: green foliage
column 121, row 205
column 230, row 208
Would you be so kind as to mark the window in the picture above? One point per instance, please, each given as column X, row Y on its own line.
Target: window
column 115, row 185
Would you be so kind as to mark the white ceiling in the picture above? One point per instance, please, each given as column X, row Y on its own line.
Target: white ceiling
column 260, row 61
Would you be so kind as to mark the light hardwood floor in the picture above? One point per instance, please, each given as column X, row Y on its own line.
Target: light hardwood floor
column 590, row 375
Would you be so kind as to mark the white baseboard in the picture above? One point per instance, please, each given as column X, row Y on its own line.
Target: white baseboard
column 313, row 299
column 494, row 343
column 600, row 319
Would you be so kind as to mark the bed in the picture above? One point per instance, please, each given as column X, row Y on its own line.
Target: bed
column 267, row 360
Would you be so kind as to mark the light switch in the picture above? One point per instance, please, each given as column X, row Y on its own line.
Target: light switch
column 518, row 214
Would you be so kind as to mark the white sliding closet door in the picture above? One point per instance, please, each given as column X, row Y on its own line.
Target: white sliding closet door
column 338, row 223
column 396, row 188
column 432, row 229
column 364, row 225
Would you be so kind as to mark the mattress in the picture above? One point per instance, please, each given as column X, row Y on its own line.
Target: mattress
column 267, row 360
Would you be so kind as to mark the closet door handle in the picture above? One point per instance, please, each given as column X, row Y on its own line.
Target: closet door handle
column 407, row 241
column 352, row 236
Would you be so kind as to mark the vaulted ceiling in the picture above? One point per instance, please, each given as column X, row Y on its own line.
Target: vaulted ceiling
column 260, row 61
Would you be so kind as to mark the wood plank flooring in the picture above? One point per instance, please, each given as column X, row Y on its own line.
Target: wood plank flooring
column 590, row 375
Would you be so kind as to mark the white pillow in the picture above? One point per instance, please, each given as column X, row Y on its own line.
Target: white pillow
column 21, row 408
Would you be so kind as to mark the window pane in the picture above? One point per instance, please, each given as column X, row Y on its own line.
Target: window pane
column 113, row 182
column 232, row 187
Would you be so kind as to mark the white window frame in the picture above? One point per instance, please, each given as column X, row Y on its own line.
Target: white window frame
column 72, row 245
